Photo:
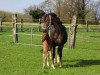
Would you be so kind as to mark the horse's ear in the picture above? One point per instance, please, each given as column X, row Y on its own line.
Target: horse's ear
column 41, row 14
column 44, row 16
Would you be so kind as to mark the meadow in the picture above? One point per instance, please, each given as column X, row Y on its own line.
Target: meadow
column 27, row 60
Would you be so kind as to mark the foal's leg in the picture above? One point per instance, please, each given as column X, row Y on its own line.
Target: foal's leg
column 44, row 53
column 52, row 64
column 48, row 59
column 44, row 58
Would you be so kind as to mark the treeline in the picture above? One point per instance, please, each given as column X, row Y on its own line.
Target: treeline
column 86, row 9
column 7, row 16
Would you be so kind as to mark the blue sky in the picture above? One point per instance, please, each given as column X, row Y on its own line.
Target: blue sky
column 17, row 5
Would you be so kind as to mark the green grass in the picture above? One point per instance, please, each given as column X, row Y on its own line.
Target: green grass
column 27, row 60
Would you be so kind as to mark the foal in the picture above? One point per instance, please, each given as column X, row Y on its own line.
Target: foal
column 47, row 52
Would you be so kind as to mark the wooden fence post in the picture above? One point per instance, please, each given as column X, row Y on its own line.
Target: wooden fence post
column 72, row 32
column 21, row 26
column 87, row 26
column 15, row 35
column 69, row 37
column 39, row 24
column 1, row 25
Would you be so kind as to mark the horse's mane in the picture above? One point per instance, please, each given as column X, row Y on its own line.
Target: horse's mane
column 57, row 21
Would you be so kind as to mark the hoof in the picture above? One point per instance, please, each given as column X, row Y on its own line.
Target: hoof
column 53, row 66
column 60, row 66
column 48, row 64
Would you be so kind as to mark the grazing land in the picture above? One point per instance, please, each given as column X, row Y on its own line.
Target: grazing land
column 27, row 60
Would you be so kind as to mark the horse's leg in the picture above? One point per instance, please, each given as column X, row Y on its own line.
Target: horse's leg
column 44, row 58
column 52, row 64
column 58, row 58
column 44, row 53
column 48, row 59
column 60, row 55
column 53, row 55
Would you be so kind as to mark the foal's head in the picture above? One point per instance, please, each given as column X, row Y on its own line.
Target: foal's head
column 46, row 20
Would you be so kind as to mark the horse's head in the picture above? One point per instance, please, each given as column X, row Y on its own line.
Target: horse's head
column 46, row 21
column 52, row 23
column 51, row 19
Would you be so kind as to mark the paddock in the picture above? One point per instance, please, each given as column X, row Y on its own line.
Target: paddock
column 25, row 59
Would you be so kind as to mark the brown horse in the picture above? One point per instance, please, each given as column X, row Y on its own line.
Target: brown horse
column 47, row 49
column 57, row 34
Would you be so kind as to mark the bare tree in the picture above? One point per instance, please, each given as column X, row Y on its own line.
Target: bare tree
column 93, row 10
column 58, row 5
column 47, row 6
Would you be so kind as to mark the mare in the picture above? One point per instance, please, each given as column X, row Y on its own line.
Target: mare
column 57, row 35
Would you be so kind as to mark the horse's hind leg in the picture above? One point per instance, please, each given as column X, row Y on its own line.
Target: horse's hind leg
column 59, row 58
column 53, row 55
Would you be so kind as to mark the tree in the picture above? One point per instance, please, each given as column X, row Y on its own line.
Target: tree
column 35, row 12
column 93, row 10
column 58, row 4
column 47, row 6
column 73, row 28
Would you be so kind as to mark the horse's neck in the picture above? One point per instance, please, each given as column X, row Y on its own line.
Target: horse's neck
column 57, row 28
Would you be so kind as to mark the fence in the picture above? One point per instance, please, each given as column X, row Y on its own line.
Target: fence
column 19, row 29
column 1, row 24
column 21, row 24
column 86, row 27
column 90, row 27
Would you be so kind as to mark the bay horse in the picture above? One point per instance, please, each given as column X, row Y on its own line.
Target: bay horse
column 57, row 35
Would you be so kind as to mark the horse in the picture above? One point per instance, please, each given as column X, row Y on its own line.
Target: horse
column 46, row 49
column 57, row 34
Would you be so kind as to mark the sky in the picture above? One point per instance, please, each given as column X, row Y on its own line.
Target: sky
column 17, row 5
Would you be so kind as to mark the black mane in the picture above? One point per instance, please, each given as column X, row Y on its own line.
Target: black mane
column 58, row 22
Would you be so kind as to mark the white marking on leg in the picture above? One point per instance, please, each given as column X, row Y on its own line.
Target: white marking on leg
column 52, row 66
column 43, row 65
column 43, row 60
column 54, row 60
column 58, row 60
column 47, row 62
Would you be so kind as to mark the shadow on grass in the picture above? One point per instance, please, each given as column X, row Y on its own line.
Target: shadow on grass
column 95, row 36
column 80, row 63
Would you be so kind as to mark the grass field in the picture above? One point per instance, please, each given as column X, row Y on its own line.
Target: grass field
column 27, row 60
